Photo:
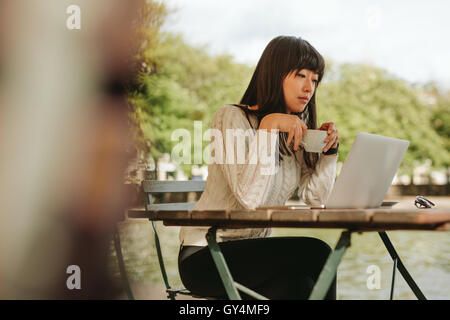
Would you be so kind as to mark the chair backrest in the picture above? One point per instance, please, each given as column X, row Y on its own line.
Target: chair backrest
column 151, row 187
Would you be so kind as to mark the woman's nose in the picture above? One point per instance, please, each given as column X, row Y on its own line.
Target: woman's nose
column 308, row 86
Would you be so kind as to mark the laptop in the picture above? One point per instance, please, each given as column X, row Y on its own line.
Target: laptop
column 366, row 175
column 367, row 172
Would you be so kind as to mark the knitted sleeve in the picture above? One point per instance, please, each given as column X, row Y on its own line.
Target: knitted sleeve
column 315, row 186
column 247, row 157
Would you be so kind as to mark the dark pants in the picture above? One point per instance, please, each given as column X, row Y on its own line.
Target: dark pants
column 277, row 268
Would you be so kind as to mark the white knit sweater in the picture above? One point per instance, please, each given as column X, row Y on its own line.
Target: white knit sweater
column 245, row 186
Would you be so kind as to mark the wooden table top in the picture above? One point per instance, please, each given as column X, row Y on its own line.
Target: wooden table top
column 296, row 217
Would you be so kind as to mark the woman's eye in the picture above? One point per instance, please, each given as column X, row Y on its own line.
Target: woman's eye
column 301, row 75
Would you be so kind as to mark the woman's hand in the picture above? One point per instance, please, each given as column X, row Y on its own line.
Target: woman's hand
column 289, row 123
column 332, row 138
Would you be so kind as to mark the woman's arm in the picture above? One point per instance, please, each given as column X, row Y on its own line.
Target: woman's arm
column 316, row 185
column 291, row 124
column 246, row 174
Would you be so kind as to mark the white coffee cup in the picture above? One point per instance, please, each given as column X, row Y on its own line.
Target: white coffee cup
column 313, row 140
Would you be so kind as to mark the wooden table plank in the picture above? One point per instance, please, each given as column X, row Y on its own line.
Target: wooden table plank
column 211, row 215
column 356, row 219
column 351, row 216
column 173, row 215
column 420, row 217
column 258, row 215
column 299, row 215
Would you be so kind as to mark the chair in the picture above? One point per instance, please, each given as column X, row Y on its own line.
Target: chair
column 150, row 188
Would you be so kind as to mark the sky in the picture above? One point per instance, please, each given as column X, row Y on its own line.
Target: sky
column 410, row 39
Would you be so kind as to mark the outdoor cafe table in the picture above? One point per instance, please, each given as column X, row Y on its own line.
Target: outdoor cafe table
column 351, row 220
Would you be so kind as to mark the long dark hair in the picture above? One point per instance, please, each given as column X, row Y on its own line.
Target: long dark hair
column 283, row 55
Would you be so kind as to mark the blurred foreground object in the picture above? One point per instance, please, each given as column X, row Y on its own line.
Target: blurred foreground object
column 64, row 144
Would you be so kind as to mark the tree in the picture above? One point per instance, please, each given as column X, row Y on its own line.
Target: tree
column 179, row 84
column 185, row 84
column 365, row 98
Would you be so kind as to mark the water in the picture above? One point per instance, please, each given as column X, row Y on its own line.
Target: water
column 425, row 254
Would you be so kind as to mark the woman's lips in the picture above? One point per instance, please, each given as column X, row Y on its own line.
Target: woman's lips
column 304, row 100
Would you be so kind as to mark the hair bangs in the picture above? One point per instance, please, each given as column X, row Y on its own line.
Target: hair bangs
column 309, row 58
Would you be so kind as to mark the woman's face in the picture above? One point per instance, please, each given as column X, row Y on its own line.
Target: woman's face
column 298, row 88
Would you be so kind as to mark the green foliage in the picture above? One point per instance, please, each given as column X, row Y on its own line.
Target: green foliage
column 364, row 98
column 187, row 85
column 440, row 119
column 180, row 83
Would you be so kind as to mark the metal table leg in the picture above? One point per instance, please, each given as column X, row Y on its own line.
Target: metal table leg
column 329, row 270
column 412, row 284
column 393, row 280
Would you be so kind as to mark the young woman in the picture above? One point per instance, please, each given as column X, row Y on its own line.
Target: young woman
column 280, row 96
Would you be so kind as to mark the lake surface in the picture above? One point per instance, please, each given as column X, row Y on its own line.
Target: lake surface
column 425, row 254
